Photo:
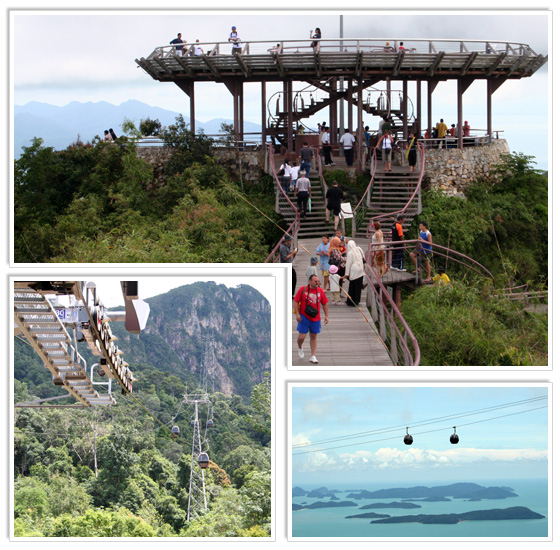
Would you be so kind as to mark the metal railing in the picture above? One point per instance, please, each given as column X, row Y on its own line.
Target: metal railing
column 281, row 195
column 350, row 45
column 391, row 326
column 438, row 250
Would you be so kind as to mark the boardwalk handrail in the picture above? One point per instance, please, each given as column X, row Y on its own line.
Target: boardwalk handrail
column 385, row 313
column 403, row 210
column 414, row 46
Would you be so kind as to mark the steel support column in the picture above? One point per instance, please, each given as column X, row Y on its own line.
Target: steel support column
column 360, row 131
column 418, row 109
column 462, row 85
column 350, row 105
column 431, row 87
column 491, row 87
column 263, row 113
column 290, row 116
column 405, row 109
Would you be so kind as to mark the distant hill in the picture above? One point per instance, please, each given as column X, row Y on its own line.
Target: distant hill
column 61, row 126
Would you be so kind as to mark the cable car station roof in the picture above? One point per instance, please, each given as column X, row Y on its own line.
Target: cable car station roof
column 364, row 58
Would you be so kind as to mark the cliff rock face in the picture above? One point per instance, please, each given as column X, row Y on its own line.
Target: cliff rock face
column 226, row 330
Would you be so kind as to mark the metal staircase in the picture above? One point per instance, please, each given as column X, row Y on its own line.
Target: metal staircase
column 39, row 322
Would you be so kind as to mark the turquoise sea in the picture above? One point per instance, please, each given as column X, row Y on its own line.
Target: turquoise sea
column 330, row 522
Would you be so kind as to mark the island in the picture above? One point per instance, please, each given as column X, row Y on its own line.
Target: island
column 297, row 507
column 469, row 491
column 369, row 515
column 429, row 499
column 497, row 514
column 389, row 505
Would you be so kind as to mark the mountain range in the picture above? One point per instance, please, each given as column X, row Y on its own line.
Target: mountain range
column 59, row 127
column 226, row 330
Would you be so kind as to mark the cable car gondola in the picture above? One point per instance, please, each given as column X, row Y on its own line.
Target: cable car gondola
column 454, row 437
column 210, row 423
column 175, row 432
column 203, row 460
column 408, row 438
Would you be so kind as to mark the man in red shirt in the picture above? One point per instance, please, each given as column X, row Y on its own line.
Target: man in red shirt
column 306, row 299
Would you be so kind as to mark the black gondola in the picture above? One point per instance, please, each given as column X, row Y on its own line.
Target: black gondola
column 210, row 423
column 192, row 423
column 454, row 437
column 203, row 460
column 175, row 432
column 408, row 438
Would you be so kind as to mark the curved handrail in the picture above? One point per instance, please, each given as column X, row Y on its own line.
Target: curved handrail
column 439, row 250
column 388, row 309
column 402, row 210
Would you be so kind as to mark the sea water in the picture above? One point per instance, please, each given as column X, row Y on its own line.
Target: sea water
column 331, row 522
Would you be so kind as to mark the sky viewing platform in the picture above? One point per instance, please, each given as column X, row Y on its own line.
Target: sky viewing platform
column 357, row 57
column 338, row 73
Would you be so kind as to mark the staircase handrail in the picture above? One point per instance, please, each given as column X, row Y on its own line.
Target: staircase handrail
column 386, row 309
column 384, row 216
column 293, row 229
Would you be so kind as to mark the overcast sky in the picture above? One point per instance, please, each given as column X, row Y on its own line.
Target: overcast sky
column 510, row 447
column 109, row 289
column 89, row 56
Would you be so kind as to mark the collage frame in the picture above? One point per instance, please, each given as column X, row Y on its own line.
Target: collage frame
column 285, row 376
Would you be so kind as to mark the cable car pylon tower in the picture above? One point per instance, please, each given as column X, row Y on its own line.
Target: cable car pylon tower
column 199, row 453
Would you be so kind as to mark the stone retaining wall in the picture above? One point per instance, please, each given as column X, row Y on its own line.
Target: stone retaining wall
column 452, row 170
column 248, row 165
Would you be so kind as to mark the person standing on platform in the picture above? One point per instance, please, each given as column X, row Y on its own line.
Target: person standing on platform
column 347, row 141
column 354, row 273
column 411, row 152
column 466, row 129
column 386, row 142
column 307, row 305
column 326, row 143
column 235, row 40
column 287, row 256
column 397, row 234
column 323, row 253
column 179, row 45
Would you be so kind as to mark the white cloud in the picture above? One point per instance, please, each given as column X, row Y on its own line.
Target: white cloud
column 392, row 458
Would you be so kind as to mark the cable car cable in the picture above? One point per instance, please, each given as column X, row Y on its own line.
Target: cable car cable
column 419, row 433
column 424, row 422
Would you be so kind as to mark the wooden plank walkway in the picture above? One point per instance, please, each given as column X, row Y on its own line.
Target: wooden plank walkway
column 349, row 339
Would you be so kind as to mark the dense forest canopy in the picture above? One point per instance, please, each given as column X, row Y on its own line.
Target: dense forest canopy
column 117, row 471
column 100, row 203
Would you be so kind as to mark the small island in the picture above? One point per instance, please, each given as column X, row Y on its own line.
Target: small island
column 429, row 499
column 497, row 514
column 389, row 505
column 369, row 515
column 297, row 507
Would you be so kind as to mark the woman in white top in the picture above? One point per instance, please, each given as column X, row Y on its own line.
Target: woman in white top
column 355, row 272
column 387, row 147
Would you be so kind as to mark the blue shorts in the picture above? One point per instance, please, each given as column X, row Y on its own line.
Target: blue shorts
column 305, row 326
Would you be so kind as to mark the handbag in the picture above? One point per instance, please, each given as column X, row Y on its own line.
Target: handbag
column 280, row 172
column 310, row 310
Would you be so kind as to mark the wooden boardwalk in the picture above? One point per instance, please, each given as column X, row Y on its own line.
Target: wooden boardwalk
column 349, row 339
